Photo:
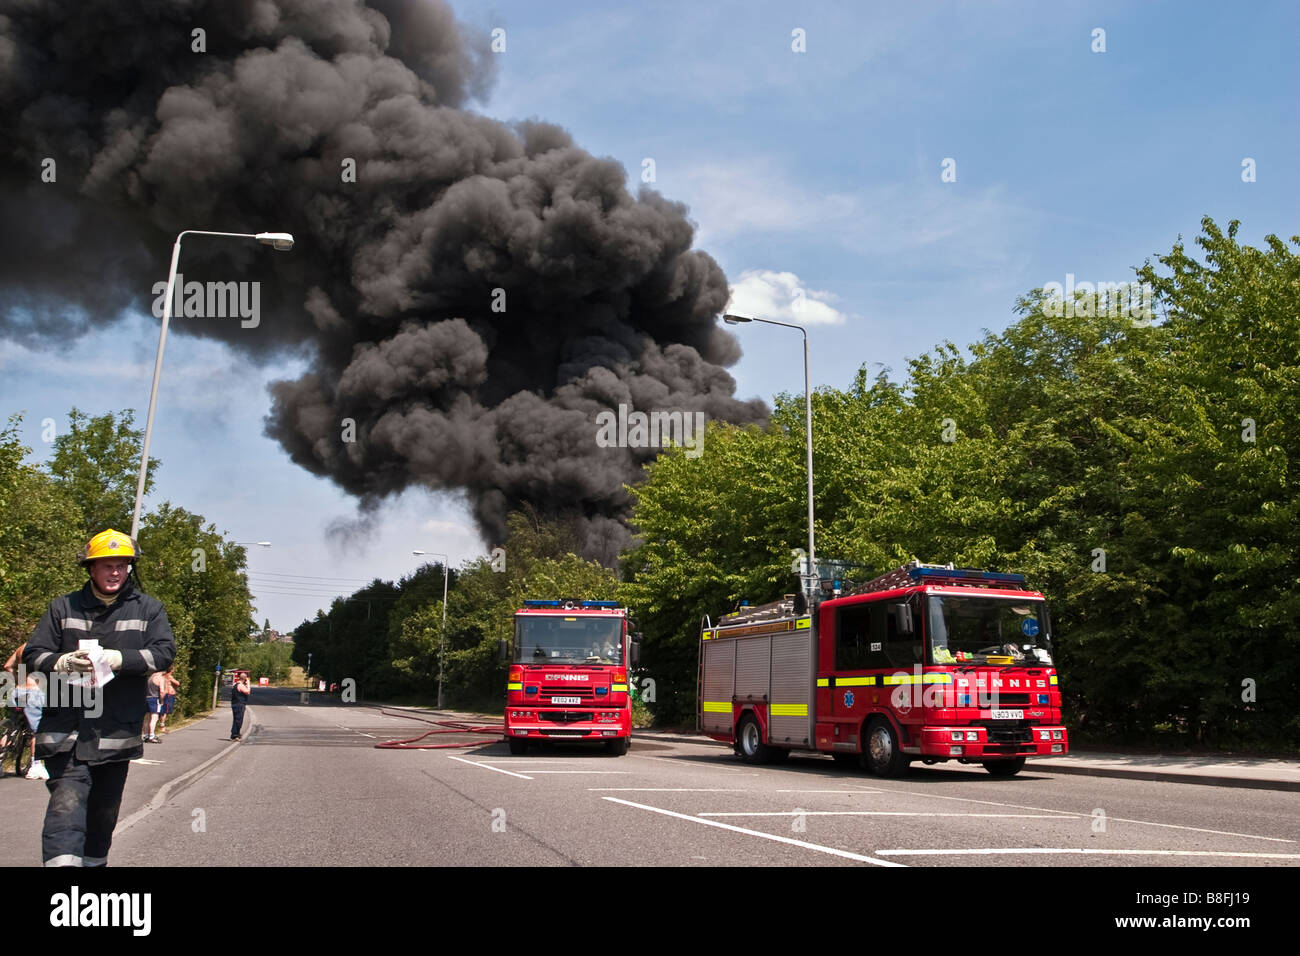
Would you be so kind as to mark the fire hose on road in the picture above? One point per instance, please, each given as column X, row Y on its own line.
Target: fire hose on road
column 450, row 727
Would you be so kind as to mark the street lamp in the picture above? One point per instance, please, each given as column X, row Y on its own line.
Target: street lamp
column 281, row 241
column 442, row 640
column 810, row 583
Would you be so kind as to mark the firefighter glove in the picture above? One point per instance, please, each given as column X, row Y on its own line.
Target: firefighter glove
column 113, row 659
column 74, row 662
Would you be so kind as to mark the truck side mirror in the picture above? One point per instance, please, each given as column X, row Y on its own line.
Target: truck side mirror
column 635, row 653
column 902, row 618
column 503, row 650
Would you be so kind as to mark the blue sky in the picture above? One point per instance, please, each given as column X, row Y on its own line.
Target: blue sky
column 818, row 171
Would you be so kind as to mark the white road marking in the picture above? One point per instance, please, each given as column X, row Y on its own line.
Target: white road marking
column 1068, row 813
column 758, row 833
column 679, row 761
column 624, row 772
column 828, row 791
column 879, row 813
column 664, row 790
column 1084, row 851
column 475, row 763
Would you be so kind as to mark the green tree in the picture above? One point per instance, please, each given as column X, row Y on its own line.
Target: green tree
column 98, row 461
column 40, row 535
column 1138, row 473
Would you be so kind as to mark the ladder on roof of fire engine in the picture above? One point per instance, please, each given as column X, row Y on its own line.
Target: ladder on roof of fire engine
column 914, row 571
column 898, row 578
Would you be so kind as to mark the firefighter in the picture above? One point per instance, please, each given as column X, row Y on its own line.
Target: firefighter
column 89, row 735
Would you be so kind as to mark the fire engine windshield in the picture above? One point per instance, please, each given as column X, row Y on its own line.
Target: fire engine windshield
column 988, row 630
column 580, row 639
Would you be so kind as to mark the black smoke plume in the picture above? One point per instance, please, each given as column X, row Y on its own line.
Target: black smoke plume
column 469, row 303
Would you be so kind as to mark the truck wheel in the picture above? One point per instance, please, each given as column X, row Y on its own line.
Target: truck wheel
column 518, row 746
column 1005, row 768
column 749, row 742
column 618, row 746
column 882, row 755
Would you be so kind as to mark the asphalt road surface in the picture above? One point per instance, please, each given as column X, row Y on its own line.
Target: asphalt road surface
column 308, row 787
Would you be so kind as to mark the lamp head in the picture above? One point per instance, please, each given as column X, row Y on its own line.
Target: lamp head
column 281, row 241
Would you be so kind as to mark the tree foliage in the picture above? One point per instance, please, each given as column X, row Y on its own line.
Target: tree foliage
column 40, row 533
column 97, row 460
column 1138, row 473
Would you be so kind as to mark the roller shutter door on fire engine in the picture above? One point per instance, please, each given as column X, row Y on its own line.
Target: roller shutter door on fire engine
column 753, row 668
column 719, row 685
column 791, row 687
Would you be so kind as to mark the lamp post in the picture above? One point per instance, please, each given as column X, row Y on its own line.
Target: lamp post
column 281, row 241
column 442, row 639
column 810, row 580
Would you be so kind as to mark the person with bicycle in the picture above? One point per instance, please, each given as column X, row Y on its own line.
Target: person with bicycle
column 110, row 635
column 26, row 705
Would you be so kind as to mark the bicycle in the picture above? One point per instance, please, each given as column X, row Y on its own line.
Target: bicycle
column 15, row 743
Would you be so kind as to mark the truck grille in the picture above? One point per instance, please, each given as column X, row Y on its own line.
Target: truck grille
column 1007, row 700
column 1008, row 731
column 563, row 717
column 568, row 690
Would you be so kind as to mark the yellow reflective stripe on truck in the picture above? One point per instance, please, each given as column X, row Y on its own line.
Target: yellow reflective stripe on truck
column 890, row 679
column 803, row 624
column 717, row 706
column 788, row 710
column 1053, row 678
column 514, row 686
column 618, row 688
column 855, row 682
column 823, row 682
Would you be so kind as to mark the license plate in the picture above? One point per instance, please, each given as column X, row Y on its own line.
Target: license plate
column 566, row 700
column 1008, row 714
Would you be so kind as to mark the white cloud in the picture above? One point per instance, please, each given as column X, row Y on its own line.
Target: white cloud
column 764, row 294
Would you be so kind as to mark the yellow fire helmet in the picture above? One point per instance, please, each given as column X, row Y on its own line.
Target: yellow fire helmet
column 108, row 544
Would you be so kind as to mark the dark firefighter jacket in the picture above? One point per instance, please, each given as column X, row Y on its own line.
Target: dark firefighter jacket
column 105, row 725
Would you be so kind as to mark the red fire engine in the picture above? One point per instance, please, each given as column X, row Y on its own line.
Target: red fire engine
column 924, row 663
column 568, row 677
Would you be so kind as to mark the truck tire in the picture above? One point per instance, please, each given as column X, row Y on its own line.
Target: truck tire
column 518, row 746
column 618, row 746
column 1005, row 768
column 749, row 741
column 882, row 755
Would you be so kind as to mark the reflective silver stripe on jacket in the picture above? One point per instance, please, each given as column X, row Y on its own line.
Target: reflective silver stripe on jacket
column 54, row 737
column 75, row 624
column 119, row 743
column 132, row 624
column 42, row 658
column 94, row 861
column 149, row 660
column 66, row 859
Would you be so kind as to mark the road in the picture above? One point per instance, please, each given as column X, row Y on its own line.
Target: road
column 309, row 788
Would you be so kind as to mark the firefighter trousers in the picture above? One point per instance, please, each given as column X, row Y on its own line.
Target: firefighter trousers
column 84, row 802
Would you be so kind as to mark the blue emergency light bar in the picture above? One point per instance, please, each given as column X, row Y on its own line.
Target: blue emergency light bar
column 967, row 574
column 600, row 604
